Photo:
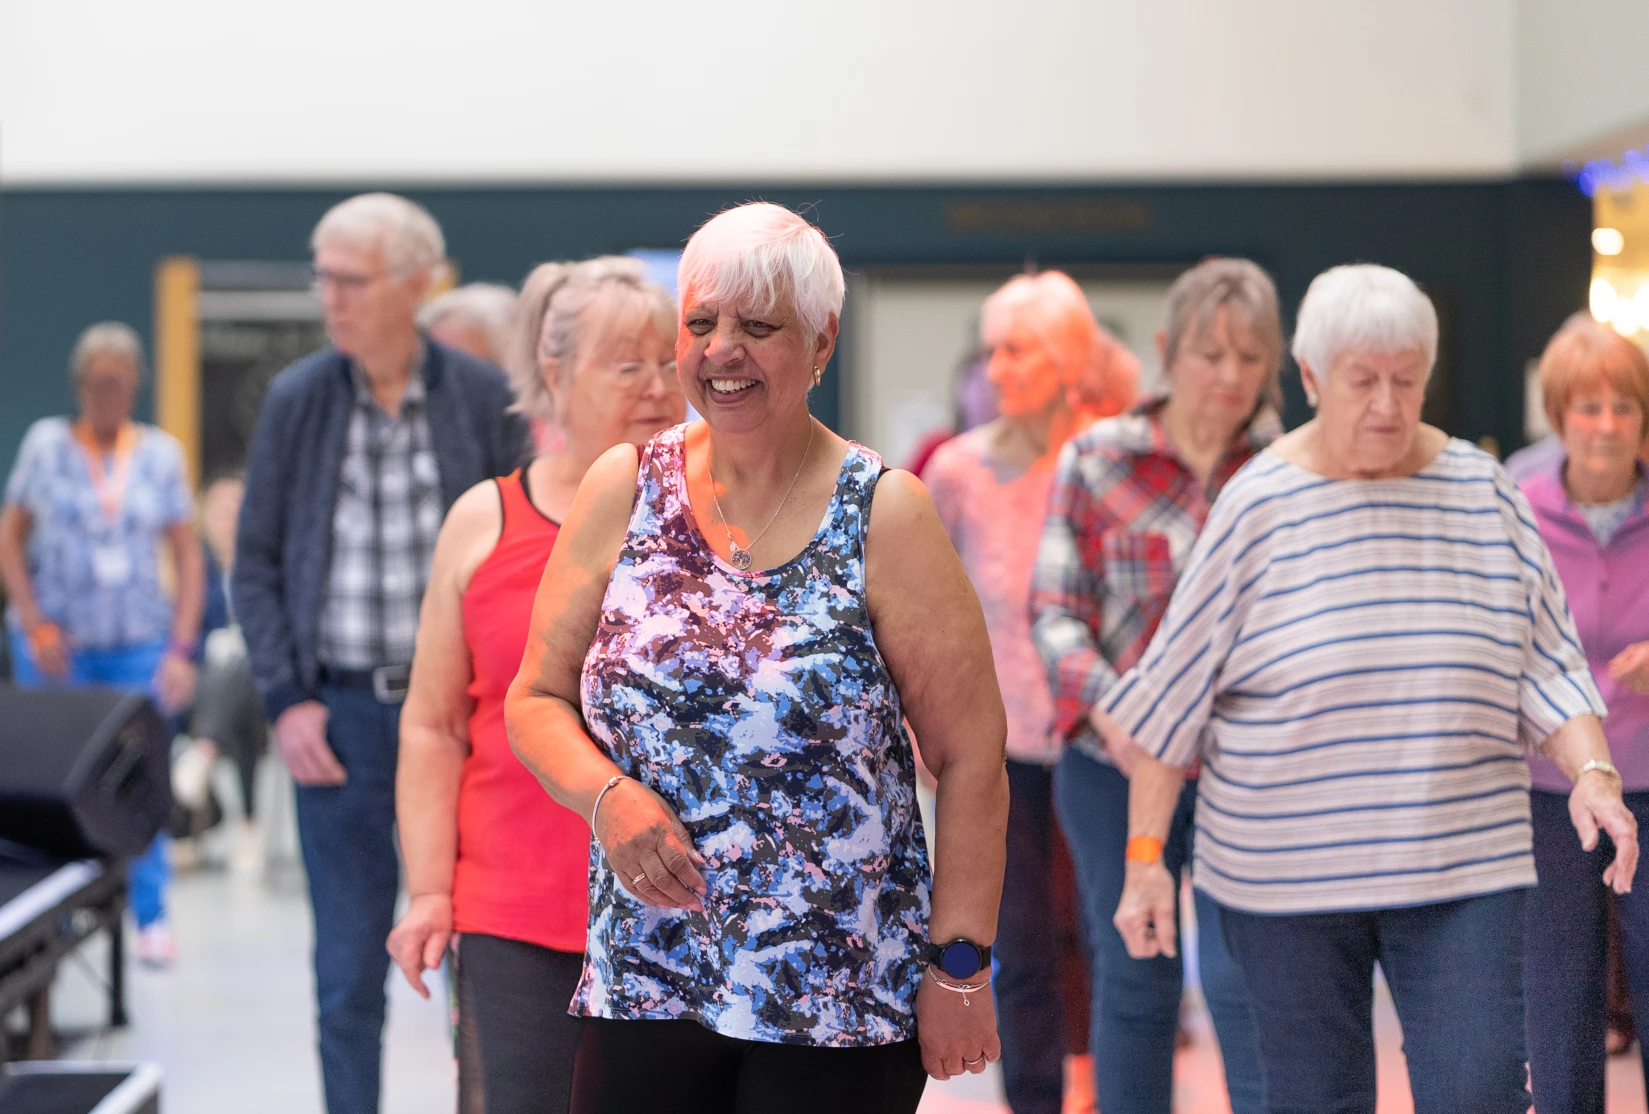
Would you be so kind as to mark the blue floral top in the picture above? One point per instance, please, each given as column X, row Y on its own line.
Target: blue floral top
column 758, row 705
column 98, row 577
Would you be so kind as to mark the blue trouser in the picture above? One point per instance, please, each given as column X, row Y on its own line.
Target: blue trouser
column 347, row 833
column 1564, row 965
column 1135, row 1011
column 129, row 667
column 1029, row 985
column 1455, row 970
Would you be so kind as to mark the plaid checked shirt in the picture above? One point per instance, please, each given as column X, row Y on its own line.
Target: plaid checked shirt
column 383, row 532
column 1121, row 521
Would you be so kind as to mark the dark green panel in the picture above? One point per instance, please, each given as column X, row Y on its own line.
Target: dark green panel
column 1509, row 259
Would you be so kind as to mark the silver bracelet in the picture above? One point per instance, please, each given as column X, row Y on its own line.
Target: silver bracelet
column 612, row 781
column 956, row 987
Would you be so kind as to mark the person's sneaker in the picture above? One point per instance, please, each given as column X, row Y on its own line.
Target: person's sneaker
column 192, row 774
column 155, row 947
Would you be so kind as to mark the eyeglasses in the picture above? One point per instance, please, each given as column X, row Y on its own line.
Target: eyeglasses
column 634, row 377
column 342, row 281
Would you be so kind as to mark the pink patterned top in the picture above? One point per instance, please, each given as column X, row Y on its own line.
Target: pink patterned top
column 994, row 517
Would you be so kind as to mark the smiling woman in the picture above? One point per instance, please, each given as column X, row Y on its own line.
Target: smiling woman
column 733, row 630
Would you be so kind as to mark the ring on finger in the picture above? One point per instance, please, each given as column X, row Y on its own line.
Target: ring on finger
column 639, row 879
column 979, row 1059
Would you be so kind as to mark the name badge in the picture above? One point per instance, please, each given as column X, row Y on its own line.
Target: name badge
column 111, row 566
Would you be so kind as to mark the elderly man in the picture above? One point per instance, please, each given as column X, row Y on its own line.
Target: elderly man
column 359, row 451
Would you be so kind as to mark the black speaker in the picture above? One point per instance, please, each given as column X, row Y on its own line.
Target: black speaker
column 83, row 771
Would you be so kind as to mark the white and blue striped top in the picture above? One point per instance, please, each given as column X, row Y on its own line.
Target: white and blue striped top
column 1362, row 665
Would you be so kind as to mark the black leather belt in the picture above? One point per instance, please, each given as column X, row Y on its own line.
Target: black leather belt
column 388, row 683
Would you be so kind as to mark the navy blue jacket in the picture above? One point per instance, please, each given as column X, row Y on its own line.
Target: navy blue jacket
column 283, row 545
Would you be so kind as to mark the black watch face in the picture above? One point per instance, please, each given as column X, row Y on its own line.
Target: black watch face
column 959, row 960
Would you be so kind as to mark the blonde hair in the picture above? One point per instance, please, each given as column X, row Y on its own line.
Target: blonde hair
column 1197, row 296
column 749, row 256
column 1056, row 310
column 1583, row 355
column 567, row 309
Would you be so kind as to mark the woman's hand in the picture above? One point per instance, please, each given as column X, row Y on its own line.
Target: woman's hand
column 648, row 848
column 1630, row 667
column 50, row 649
column 420, row 939
column 1145, row 915
column 956, row 1038
column 1596, row 804
column 175, row 683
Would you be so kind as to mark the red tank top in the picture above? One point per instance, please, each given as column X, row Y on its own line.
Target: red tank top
column 523, row 860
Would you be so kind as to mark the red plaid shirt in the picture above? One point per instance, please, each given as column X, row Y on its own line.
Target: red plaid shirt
column 1122, row 517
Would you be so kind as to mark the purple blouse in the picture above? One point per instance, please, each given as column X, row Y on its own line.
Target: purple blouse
column 1608, row 590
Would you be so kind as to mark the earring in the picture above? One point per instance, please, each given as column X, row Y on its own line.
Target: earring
column 1311, row 399
column 818, row 374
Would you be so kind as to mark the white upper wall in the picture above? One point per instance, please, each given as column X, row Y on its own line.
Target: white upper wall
column 346, row 90
column 1581, row 78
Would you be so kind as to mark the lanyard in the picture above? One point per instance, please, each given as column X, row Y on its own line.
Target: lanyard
column 109, row 485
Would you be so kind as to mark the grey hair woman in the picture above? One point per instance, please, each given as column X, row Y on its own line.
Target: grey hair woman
column 1129, row 497
column 1369, row 638
column 725, row 647
column 478, row 318
column 487, row 854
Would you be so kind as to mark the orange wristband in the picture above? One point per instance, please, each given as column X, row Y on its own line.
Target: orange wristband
column 1144, row 849
column 46, row 636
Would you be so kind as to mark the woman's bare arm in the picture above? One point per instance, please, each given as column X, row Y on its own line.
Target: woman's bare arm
column 641, row 836
column 435, row 717
column 931, row 631
column 16, row 523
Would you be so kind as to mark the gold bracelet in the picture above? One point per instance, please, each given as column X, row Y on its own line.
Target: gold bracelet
column 1601, row 765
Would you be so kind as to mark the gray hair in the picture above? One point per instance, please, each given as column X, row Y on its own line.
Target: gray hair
column 566, row 309
column 749, row 256
column 111, row 338
column 1197, row 296
column 486, row 306
column 1363, row 307
column 403, row 230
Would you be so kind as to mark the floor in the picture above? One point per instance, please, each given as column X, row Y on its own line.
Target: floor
column 232, row 1017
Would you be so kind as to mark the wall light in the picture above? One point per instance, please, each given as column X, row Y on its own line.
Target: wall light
column 1607, row 241
column 1603, row 299
column 1624, row 321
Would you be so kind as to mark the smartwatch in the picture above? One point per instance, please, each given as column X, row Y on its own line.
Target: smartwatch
column 960, row 959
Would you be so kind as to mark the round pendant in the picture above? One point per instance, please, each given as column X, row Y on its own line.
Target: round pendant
column 740, row 559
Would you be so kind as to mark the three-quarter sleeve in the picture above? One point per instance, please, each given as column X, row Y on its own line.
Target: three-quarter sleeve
column 25, row 484
column 1556, row 683
column 1164, row 702
column 1065, row 598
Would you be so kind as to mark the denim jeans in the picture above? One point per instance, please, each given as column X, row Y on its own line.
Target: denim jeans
column 1136, row 1002
column 1564, row 964
column 347, row 834
column 127, row 667
column 1033, row 970
column 1455, row 970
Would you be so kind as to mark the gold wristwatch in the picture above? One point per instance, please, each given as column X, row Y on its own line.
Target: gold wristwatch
column 1602, row 766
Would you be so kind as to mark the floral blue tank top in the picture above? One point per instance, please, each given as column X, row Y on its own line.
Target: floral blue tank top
column 758, row 705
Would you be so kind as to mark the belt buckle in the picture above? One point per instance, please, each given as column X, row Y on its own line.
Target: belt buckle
column 389, row 683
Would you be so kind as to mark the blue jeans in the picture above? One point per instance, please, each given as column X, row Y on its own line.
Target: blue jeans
column 129, row 667
column 1032, row 975
column 1456, row 975
column 347, row 833
column 1564, row 966
column 1136, row 1001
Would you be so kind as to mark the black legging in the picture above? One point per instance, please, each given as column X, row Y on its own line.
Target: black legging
column 685, row 1068
column 229, row 712
column 515, row 1037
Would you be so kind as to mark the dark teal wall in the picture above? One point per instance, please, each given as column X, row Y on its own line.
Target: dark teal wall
column 1510, row 258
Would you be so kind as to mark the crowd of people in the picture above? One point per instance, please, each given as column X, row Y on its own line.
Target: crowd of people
column 565, row 601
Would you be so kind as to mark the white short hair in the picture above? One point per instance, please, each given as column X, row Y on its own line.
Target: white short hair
column 1363, row 307
column 486, row 306
column 751, row 255
column 110, row 338
column 403, row 230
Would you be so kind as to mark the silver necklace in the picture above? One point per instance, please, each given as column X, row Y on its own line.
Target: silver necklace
column 740, row 558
